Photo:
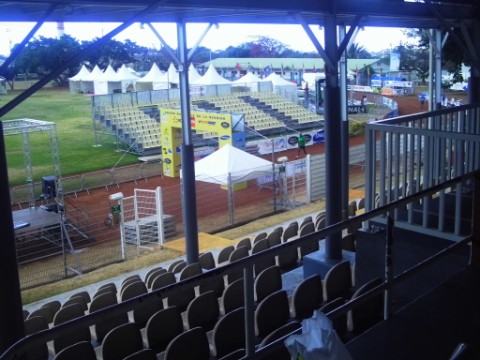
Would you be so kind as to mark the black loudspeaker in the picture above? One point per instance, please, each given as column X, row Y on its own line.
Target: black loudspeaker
column 49, row 188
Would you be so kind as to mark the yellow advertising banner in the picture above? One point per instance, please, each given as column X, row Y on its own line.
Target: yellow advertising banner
column 171, row 135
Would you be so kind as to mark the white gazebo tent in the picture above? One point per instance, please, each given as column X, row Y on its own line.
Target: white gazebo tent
column 249, row 80
column 229, row 166
column 283, row 87
column 193, row 74
column 75, row 82
column 107, row 83
column 87, row 84
column 211, row 77
column 172, row 75
column 3, row 86
column 127, row 79
column 155, row 79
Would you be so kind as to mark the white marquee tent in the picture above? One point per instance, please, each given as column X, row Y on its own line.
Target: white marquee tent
column 229, row 166
column 211, row 77
column 127, row 78
column 283, row 87
column 75, row 82
column 172, row 75
column 107, row 82
column 155, row 79
column 193, row 74
column 87, row 84
column 249, row 80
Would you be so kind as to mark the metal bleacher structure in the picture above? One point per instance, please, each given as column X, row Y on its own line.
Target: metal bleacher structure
column 138, row 126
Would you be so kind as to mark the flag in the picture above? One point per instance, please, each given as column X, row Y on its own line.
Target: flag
column 356, row 71
column 238, row 67
column 314, row 69
column 282, row 69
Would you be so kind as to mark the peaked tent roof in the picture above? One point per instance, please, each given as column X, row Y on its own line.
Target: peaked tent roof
column 154, row 74
column 231, row 162
column 94, row 74
column 193, row 74
column 277, row 80
column 108, row 75
column 125, row 73
column 247, row 79
column 211, row 77
column 83, row 74
column 172, row 75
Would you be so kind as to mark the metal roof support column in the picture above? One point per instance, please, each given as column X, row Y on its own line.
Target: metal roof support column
column 474, row 80
column 344, row 134
column 189, row 200
column 333, row 146
column 438, row 70
column 11, row 318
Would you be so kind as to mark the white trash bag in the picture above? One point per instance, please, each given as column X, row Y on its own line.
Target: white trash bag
column 318, row 341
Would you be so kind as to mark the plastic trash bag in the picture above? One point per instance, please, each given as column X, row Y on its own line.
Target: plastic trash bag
column 318, row 341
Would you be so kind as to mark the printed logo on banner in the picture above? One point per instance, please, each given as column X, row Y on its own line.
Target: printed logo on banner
column 225, row 125
column 225, row 137
column 319, row 136
column 292, row 140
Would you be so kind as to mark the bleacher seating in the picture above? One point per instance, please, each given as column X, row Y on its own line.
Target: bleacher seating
column 202, row 308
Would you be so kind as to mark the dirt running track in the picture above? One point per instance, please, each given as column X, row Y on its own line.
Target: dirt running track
column 209, row 208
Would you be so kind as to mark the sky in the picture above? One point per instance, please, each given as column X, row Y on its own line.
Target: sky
column 372, row 39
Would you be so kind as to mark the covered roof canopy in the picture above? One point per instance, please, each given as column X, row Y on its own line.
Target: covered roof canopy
column 394, row 13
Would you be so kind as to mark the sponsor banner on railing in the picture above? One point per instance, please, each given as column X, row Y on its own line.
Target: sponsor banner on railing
column 278, row 144
column 361, row 88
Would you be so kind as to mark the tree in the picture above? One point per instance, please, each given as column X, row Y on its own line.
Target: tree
column 357, row 51
column 43, row 55
column 113, row 52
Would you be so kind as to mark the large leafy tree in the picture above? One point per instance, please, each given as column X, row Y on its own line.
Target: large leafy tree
column 113, row 52
column 43, row 55
column 356, row 51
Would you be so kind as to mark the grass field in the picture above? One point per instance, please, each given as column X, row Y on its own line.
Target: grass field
column 72, row 115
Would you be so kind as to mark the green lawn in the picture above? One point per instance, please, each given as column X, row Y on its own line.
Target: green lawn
column 72, row 115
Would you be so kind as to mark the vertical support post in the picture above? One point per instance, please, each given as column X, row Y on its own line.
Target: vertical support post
column 122, row 229
column 249, row 312
column 438, row 70
column 475, row 250
column 333, row 129
column 231, row 207
column 344, row 126
column 11, row 317
column 474, row 80
column 189, row 200
column 388, row 266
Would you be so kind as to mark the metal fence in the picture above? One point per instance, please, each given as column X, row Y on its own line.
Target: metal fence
column 90, row 236
column 411, row 153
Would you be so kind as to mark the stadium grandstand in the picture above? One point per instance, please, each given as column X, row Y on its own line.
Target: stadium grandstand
column 266, row 113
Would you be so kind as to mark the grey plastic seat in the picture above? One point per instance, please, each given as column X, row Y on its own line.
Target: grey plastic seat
column 338, row 281
column 191, row 344
column 162, row 327
column 267, row 282
column 65, row 314
column 33, row 325
column 120, row 342
column 82, row 350
column 228, row 334
column 282, row 353
column 207, row 260
column 100, row 329
column 306, row 297
column 271, row 313
column 202, row 311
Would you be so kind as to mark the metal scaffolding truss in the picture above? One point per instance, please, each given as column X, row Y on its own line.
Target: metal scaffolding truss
column 25, row 127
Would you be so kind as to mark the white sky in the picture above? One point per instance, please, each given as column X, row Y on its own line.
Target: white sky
column 372, row 39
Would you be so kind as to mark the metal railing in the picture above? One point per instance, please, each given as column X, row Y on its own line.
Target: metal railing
column 247, row 264
column 410, row 153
